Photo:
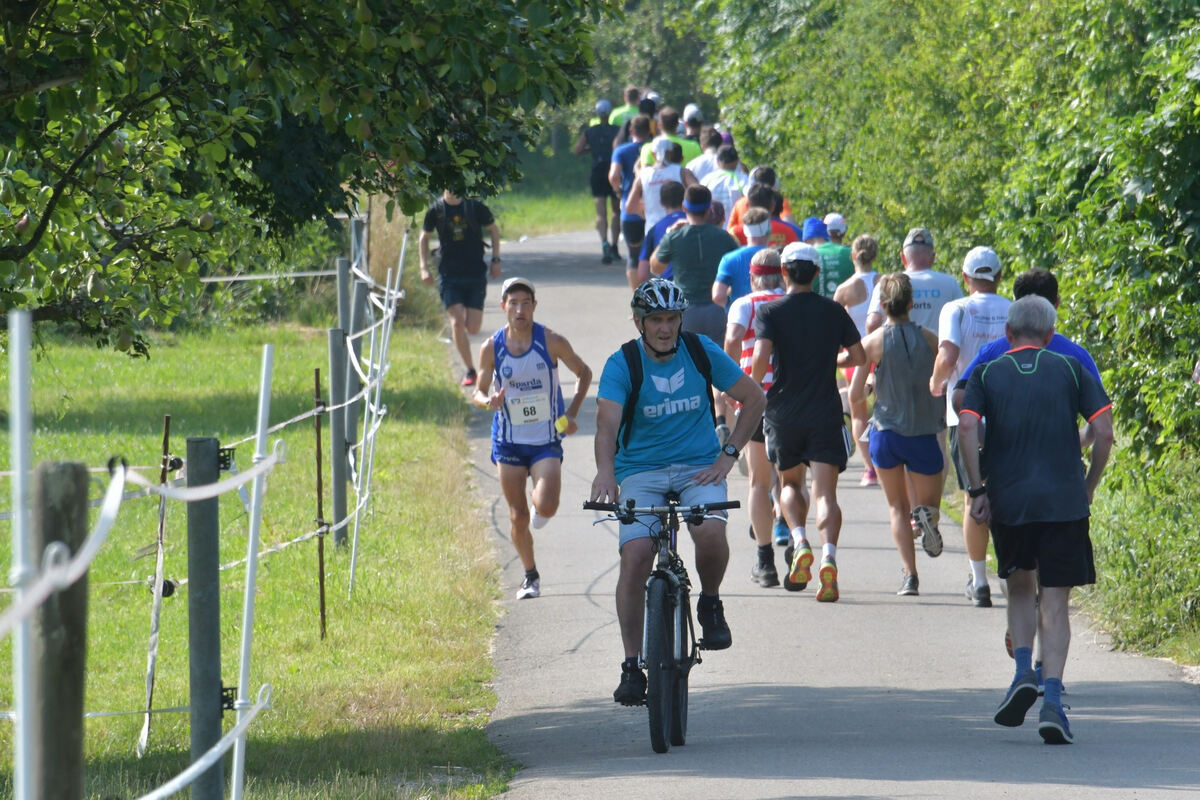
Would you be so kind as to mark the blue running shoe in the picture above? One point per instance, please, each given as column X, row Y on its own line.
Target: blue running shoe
column 1053, row 726
column 783, row 537
column 1021, row 696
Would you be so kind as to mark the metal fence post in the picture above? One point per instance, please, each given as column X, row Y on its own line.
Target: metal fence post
column 204, row 614
column 337, row 429
column 343, row 292
column 25, row 736
column 60, row 515
column 243, row 703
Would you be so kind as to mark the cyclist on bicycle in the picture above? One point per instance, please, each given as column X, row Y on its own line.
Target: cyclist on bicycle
column 667, row 444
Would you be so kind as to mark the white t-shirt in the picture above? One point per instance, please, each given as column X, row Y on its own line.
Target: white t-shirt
column 653, row 178
column 931, row 290
column 701, row 165
column 727, row 187
column 970, row 322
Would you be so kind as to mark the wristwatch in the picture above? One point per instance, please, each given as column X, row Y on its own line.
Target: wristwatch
column 730, row 451
column 978, row 491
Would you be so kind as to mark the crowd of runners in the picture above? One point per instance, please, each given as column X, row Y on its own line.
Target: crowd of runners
column 773, row 344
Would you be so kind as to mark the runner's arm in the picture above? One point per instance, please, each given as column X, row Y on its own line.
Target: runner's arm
column 852, row 356
column 1102, row 441
column 763, row 348
column 561, row 349
column 482, row 396
column 423, row 256
column 494, row 230
column 614, row 177
column 943, row 365
column 968, row 449
column 733, row 340
column 581, row 145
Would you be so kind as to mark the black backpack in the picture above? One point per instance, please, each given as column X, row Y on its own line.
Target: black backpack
column 469, row 214
column 633, row 359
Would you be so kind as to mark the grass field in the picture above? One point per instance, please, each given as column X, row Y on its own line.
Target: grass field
column 552, row 198
column 393, row 702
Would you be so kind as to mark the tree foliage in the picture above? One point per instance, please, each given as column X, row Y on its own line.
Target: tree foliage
column 143, row 143
column 1065, row 133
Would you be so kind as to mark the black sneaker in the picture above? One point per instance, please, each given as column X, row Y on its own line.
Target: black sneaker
column 712, row 622
column 632, row 689
column 981, row 596
column 764, row 575
column 910, row 586
column 607, row 258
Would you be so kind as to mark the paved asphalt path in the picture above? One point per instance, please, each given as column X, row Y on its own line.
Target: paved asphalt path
column 873, row 696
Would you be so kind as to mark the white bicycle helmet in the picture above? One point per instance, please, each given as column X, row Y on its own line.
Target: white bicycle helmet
column 656, row 296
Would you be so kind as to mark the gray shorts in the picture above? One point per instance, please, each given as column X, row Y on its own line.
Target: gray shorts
column 650, row 489
column 707, row 318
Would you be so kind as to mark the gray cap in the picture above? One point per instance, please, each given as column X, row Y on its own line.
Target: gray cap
column 918, row 236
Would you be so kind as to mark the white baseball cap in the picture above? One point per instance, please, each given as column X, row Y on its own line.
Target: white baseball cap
column 692, row 111
column 835, row 222
column 982, row 263
column 662, row 147
column 800, row 251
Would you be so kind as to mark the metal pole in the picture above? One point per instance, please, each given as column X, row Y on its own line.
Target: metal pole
column 20, row 443
column 337, row 428
column 343, row 291
column 244, row 704
column 60, row 514
column 320, row 502
column 204, row 614
column 156, row 591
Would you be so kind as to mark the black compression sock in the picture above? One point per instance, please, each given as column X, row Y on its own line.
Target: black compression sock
column 766, row 555
column 532, row 574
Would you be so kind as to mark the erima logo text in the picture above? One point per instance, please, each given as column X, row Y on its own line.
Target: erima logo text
column 668, row 407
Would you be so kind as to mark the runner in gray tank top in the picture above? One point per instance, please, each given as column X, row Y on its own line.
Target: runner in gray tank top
column 903, row 431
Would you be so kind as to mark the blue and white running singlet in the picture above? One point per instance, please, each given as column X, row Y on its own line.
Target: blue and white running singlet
column 532, row 396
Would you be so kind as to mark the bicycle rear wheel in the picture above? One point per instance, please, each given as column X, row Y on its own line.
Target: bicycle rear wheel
column 683, row 643
column 660, row 663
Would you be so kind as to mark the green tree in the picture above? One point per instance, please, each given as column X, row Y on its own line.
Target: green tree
column 143, row 143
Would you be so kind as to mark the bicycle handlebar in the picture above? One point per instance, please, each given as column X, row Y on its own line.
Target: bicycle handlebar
column 683, row 511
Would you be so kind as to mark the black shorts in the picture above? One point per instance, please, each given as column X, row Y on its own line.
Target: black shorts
column 804, row 444
column 960, row 471
column 468, row 292
column 599, row 182
column 634, row 231
column 1061, row 552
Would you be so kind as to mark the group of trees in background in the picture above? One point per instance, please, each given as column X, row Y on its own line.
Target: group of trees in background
column 142, row 144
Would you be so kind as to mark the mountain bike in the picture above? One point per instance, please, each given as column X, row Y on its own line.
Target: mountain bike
column 669, row 646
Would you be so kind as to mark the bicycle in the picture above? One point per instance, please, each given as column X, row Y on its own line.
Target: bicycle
column 669, row 646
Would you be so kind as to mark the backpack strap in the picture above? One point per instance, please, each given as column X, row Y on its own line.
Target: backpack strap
column 696, row 351
column 633, row 360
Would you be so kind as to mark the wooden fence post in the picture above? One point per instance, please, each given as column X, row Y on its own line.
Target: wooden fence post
column 60, row 641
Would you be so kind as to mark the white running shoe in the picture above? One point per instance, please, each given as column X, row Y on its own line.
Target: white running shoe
column 530, row 589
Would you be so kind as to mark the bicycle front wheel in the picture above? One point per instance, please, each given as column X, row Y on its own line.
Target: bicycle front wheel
column 660, row 663
column 682, row 644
